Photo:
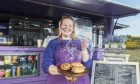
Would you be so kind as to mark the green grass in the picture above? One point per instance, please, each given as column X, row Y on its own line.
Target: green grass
column 134, row 55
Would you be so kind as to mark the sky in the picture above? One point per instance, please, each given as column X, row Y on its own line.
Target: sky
column 132, row 21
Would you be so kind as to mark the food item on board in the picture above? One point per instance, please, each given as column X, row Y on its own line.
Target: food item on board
column 76, row 64
column 78, row 69
column 65, row 66
column 75, row 67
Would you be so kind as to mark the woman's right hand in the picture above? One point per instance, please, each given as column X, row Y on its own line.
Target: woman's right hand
column 53, row 70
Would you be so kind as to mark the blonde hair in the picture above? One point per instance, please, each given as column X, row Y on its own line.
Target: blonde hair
column 73, row 35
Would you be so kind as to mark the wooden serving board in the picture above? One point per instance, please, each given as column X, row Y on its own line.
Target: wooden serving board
column 70, row 73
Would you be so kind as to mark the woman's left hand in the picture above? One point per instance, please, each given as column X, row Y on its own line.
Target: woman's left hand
column 84, row 44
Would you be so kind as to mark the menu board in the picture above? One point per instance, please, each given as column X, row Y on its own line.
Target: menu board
column 115, row 72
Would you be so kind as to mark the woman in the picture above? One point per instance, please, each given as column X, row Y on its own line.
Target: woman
column 65, row 49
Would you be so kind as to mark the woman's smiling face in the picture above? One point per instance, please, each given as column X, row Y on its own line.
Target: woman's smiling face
column 67, row 27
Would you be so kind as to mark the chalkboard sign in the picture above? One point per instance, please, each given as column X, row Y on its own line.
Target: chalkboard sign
column 115, row 72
